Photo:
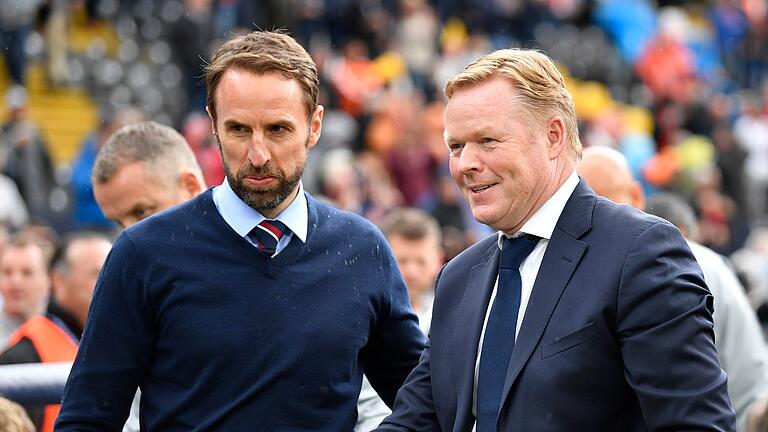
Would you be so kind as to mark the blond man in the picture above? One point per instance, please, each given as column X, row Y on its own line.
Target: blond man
column 580, row 314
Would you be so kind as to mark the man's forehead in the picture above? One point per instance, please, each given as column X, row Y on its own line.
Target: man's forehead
column 29, row 250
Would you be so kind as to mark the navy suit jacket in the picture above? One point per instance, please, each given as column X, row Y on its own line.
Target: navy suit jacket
column 617, row 335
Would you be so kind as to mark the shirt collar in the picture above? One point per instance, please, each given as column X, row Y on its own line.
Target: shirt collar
column 542, row 223
column 243, row 218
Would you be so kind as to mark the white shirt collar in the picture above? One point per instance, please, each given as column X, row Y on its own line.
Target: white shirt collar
column 542, row 223
column 243, row 218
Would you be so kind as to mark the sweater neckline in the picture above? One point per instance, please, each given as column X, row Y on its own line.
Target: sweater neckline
column 271, row 267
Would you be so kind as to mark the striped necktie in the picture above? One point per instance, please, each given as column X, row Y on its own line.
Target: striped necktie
column 267, row 234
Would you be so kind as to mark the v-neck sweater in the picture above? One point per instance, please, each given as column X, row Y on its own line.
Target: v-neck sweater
column 221, row 337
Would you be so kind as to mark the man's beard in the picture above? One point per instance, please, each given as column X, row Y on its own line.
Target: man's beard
column 263, row 198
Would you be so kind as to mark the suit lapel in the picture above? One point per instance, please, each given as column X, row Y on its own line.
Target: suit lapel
column 467, row 328
column 563, row 254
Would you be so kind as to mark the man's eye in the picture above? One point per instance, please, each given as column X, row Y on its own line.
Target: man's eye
column 278, row 129
column 454, row 147
column 486, row 140
column 237, row 129
column 142, row 214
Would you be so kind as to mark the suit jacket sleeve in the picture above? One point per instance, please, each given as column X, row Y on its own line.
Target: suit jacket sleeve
column 666, row 336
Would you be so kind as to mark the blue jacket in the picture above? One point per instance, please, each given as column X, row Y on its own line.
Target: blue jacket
column 617, row 335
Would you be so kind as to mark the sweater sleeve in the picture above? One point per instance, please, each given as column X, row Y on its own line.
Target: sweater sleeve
column 116, row 346
column 396, row 341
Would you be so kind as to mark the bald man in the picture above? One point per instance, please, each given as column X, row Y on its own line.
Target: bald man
column 738, row 338
column 608, row 174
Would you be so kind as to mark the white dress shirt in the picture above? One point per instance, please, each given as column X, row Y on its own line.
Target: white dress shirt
column 541, row 224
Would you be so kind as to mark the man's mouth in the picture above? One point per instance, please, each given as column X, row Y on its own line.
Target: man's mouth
column 478, row 189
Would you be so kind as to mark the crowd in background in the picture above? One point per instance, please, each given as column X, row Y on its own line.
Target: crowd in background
column 680, row 88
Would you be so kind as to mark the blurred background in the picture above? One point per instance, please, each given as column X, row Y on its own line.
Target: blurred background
column 679, row 87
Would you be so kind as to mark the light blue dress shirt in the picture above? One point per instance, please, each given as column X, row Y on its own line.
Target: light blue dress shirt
column 243, row 218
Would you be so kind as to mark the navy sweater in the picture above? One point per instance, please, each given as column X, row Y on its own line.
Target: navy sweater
column 220, row 337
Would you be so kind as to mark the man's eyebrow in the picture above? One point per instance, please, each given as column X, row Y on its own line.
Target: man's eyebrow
column 231, row 122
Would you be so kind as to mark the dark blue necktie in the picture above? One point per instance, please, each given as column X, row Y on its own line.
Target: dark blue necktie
column 267, row 234
column 499, row 339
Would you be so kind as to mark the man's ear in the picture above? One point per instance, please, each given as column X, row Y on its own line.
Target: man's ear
column 315, row 126
column 189, row 184
column 213, row 123
column 556, row 137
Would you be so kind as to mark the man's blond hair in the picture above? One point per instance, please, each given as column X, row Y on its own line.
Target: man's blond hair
column 540, row 86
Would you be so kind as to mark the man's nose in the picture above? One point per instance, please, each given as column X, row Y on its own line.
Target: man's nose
column 258, row 153
column 468, row 159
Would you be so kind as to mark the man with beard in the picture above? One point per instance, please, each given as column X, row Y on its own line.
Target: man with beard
column 252, row 306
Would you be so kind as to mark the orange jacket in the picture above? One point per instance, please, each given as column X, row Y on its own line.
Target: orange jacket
column 52, row 345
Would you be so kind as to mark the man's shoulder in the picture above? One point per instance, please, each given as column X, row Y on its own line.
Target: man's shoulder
column 325, row 215
column 618, row 219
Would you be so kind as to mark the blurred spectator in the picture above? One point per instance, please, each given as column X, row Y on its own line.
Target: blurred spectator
column 56, row 41
column 751, row 262
column 87, row 214
column 416, row 242
column 667, row 65
column 631, row 23
column 191, row 38
column 416, row 38
column 731, row 27
column 16, row 19
column 354, row 77
column 459, row 48
column 731, row 159
column 197, row 131
column 751, row 133
column 339, row 181
column 410, row 163
column 28, row 161
column 24, row 283
column 53, row 337
column 44, row 235
column 379, row 194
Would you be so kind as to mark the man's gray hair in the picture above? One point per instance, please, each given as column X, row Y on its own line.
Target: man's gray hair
column 675, row 210
column 148, row 142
